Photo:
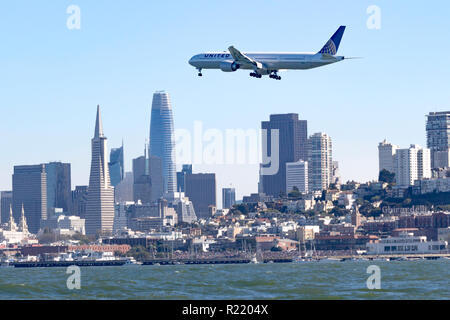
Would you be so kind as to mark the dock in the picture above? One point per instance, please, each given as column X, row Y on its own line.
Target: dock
column 65, row 264
column 165, row 262
column 430, row 256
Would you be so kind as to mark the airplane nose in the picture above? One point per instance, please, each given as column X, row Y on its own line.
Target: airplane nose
column 191, row 61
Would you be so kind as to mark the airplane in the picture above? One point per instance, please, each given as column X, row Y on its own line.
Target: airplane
column 269, row 63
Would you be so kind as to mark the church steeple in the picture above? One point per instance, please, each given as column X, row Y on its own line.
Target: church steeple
column 23, row 227
column 11, row 224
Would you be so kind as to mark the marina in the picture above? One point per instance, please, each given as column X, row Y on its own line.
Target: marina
column 118, row 262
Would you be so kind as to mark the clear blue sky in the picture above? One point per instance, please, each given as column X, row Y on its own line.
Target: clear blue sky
column 52, row 78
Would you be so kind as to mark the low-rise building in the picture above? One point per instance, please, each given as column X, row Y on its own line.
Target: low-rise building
column 432, row 186
column 337, row 242
column 286, row 244
column 406, row 243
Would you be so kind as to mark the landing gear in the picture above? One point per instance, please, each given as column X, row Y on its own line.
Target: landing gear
column 200, row 74
column 255, row 75
column 274, row 75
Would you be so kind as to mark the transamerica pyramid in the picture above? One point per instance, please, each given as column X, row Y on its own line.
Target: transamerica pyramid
column 100, row 203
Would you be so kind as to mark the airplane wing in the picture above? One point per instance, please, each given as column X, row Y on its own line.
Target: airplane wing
column 241, row 58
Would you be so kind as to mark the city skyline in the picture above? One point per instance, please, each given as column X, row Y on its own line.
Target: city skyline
column 219, row 187
column 58, row 80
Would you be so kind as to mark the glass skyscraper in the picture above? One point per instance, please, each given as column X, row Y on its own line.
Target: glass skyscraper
column 30, row 192
column 116, row 166
column 293, row 135
column 162, row 139
column 228, row 197
column 438, row 138
column 59, row 188
column 181, row 176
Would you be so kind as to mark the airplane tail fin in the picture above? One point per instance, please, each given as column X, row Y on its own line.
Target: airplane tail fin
column 332, row 46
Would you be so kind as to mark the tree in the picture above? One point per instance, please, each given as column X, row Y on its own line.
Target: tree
column 82, row 238
column 140, row 253
column 386, row 176
column 242, row 208
column 339, row 212
column 295, row 193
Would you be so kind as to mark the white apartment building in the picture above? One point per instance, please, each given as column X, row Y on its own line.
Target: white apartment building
column 297, row 176
column 412, row 164
column 386, row 153
column 320, row 161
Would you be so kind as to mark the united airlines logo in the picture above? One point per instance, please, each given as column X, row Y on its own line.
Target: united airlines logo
column 330, row 48
column 217, row 55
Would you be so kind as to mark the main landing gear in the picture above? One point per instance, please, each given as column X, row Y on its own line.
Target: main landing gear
column 275, row 76
column 255, row 75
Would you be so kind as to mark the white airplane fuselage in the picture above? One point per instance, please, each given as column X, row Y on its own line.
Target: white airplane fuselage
column 270, row 61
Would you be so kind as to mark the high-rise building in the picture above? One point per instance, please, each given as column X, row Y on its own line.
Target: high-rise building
column 297, row 176
column 5, row 205
column 156, row 177
column 142, row 184
column 162, row 139
column 412, row 164
column 320, row 162
column 124, row 190
column 201, row 190
column 386, row 153
column 59, row 187
column 187, row 169
column 293, row 135
column 100, row 203
column 228, row 198
column 30, row 192
column 438, row 138
column 183, row 207
column 116, row 166
column 79, row 201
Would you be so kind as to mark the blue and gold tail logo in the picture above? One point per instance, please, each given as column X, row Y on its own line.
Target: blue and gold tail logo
column 332, row 45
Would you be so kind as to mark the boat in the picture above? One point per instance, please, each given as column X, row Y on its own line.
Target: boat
column 413, row 259
column 7, row 263
column 131, row 261
column 254, row 260
column 308, row 257
column 331, row 260
column 304, row 260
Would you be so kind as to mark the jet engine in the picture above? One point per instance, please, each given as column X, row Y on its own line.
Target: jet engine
column 228, row 66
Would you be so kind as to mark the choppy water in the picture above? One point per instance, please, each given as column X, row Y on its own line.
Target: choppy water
column 337, row 280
